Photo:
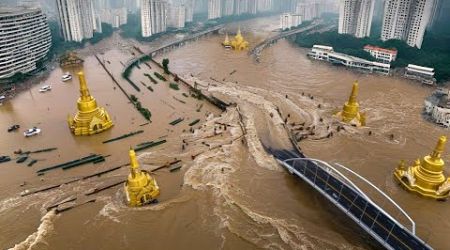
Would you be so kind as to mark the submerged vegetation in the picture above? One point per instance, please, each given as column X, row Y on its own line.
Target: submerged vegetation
column 160, row 77
column 137, row 104
column 435, row 52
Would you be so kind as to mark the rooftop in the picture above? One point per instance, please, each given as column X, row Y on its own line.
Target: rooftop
column 390, row 51
column 12, row 11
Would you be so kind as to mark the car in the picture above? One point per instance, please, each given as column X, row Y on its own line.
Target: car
column 66, row 77
column 13, row 127
column 31, row 132
column 45, row 88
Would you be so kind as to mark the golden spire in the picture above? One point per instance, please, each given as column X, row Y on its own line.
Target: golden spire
column 134, row 165
column 436, row 155
column 84, row 91
column 239, row 31
column 354, row 94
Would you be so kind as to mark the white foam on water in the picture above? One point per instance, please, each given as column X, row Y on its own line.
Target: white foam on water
column 34, row 240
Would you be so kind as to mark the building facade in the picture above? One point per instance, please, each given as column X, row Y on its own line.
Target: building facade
column 153, row 17
column 240, row 7
column 227, row 7
column 24, row 40
column 177, row 16
column 355, row 17
column 288, row 20
column 437, row 107
column 77, row 19
column 406, row 20
column 214, row 9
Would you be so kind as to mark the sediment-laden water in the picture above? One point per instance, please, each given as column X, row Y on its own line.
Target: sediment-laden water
column 232, row 195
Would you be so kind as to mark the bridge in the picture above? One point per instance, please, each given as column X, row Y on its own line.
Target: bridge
column 256, row 51
column 332, row 184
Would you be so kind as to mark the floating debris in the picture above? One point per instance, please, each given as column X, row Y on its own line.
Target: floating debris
column 101, row 188
column 4, row 158
column 175, row 122
column 194, row 122
column 67, row 206
column 141, row 146
column 123, row 136
column 32, row 162
column 22, row 159
column 74, row 163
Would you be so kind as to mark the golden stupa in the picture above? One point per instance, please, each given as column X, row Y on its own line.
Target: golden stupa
column 227, row 43
column 426, row 176
column 140, row 187
column 350, row 112
column 90, row 119
column 238, row 43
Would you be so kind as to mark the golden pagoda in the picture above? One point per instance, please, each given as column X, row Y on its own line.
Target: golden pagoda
column 227, row 43
column 426, row 176
column 140, row 187
column 90, row 119
column 238, row 43
column 350, row 112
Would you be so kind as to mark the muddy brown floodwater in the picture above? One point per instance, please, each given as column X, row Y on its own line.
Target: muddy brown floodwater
column 234, row 196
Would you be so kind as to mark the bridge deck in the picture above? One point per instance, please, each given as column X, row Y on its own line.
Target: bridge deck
column 375, row 221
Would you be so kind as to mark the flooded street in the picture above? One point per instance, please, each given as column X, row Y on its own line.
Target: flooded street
column 232, row 195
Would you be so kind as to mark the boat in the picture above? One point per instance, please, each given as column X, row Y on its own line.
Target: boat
column 2, row 97
column 31, row 132
column 13, row 127
column 45, row 88
column 22, row 159
column 66, row 77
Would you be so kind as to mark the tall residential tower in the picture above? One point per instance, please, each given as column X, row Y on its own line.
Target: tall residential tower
column 153, row 17
column 77, row 19
column 355, row 17
column 406, row 20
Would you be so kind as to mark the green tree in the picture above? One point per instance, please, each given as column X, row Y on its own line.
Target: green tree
column 165, row 64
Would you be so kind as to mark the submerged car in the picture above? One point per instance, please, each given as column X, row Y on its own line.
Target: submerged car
column 45, row 88
column 66, row 77
column 13, row 127
column 31, row 132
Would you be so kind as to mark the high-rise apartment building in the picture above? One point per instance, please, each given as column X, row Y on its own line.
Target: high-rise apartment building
column 76, row 18
column 24, row 40
column 355, row 17
column 406, row 20
column 214, row 9
column 177, row 16
column 288, row 20
column 240, row 7
column 153, row 17
column 264, row 5
column 189, row 6
column 227, row 7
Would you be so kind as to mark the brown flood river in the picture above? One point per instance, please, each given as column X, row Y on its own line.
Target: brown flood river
column 234, row 196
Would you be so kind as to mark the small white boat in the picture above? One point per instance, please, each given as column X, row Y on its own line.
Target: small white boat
column 66, row 77
column 31, row 132
column 45, row 88
column 2, row 97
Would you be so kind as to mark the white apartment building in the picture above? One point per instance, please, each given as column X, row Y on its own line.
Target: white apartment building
column 384, row 55
column 241, row 7
column 252, row 6
column 153, row 17
column 288, row 20
column 308, row 11
column 406, row 20
column 115, row 17
column 76, row 18
column 189, row 6
column 227, row 7
column 24, row 39
column 177, row 16
column 355, row 17
column 214, row 9
column 264, row 5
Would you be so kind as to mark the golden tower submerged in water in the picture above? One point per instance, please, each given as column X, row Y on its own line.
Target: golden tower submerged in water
column 350, row 112
column 140, row 187
column 90, row 119
column 426, row 176
column 238, row 43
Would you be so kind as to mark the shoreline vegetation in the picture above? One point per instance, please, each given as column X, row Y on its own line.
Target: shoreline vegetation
column 435, row 52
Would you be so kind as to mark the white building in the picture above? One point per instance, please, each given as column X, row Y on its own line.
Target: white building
column 326, row 53
column 177, row 16
column 355, row 17
column 437, row 106
column 308, row 11
column 406, row 20
column 214, row 9
column 189, row 6
column 252, row 6
column 422, row 74
column 385, row 55
column 227, row 7
column 153, row 17
column 24, row 39
column 240, row 7
column 77, row 19
column 115, row 17
column 288, row 20
column 264, row 5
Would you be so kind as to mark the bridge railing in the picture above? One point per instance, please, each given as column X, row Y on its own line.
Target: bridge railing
column 350, row 199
